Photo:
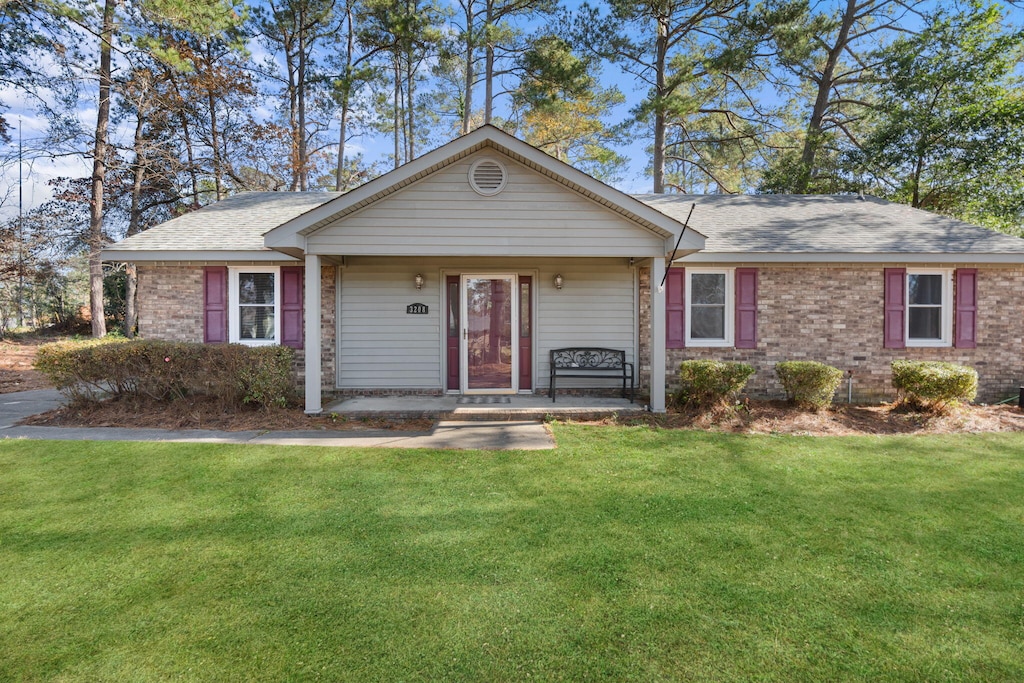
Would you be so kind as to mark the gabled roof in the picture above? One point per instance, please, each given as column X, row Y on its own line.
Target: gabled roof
column 831, row 228
column 289, row 234
column 231, row 228
column 265, row 226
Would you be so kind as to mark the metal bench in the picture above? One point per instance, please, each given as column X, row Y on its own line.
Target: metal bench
column 591, row 362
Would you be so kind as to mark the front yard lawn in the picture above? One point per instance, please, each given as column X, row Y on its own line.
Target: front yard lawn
column 626, row 554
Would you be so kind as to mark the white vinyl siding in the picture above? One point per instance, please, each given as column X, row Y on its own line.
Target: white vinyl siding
column 595, row 307
column 443, row 215
column 381, row 347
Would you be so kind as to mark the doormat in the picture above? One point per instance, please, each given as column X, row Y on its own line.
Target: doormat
column 483, row 400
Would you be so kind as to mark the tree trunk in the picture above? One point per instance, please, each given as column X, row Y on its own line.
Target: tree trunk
column 661, row 50
column 398, row 112
column 467, row 103
column 131, row 311
column 99, row 172
column 134, row 223
column 186, row 137
column 813, row 137
column 410, row 76
column 300, row 82
column 293, row 104
column 218, row 167
column 489, row 67
column 347, row 85
column 342, row 125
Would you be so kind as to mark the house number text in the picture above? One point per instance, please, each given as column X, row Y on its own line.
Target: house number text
column 417, row 309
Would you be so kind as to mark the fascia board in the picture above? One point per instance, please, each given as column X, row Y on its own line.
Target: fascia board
column 132, row 256
column 846, row 257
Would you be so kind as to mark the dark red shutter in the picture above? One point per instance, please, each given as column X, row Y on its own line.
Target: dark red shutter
column 746, row 308
column 675, row 308
column 291, row 306
column 895, row 307
column 966, row 308
column 215, row 304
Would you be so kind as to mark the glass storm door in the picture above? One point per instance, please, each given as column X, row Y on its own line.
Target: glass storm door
column 489, row 334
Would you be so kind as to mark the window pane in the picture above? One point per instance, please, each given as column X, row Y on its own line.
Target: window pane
column 708, row 322
column 924, row 289
column 256, row 322
column 925, row 323
column 707, row 288
column 524, row 309
column 453, row 309
column 255, row 288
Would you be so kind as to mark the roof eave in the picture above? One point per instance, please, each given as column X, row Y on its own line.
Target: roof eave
column 149, row 255
column 849, row 257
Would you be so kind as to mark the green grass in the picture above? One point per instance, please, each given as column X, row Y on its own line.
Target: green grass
column 626, row 554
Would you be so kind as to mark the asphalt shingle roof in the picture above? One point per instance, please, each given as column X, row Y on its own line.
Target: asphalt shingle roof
column 794, row 224
column 770, row 224
column 236, row 223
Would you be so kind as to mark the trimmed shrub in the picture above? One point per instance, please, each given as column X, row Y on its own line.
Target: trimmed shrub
column 808, row 383
column 168, row 371
column 933, row 385
column 70, row 367
column 710, row 382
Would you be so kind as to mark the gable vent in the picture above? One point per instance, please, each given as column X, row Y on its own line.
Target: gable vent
column 487, row 177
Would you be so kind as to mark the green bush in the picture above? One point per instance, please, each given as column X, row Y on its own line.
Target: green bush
column 808, row 383
column 709, row 382
column 168, row 371
column 933, row 384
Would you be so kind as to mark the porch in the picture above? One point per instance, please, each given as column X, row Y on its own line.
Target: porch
column 484, row 408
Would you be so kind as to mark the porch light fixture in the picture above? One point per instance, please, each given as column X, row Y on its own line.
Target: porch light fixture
column 559, row 281
column 418, row 280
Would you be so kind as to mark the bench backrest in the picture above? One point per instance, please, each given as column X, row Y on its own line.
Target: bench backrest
column 588, row 359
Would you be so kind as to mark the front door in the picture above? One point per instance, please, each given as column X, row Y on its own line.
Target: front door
column 490, row 331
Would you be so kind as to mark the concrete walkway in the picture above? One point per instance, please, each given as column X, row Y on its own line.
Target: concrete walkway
column 450, row 434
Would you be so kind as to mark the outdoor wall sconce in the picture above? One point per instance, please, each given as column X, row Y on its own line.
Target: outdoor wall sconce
column 418, row 280
column 559, row 281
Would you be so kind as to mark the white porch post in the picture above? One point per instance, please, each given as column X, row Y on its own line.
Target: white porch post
column 311, row 336
column 657, row 336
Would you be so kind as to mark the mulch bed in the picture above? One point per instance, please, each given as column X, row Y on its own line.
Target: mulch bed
column 206, row 414
column 748, row 417
column 779, row 417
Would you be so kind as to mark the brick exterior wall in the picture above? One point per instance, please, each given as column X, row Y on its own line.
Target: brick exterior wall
column 833, row 314
column 170, row 303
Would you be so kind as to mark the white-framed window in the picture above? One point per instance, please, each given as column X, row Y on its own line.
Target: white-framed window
column 929, row 313
column 710, row 306
column 254, row 305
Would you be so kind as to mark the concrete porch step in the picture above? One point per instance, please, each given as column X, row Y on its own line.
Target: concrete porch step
column 520, row 407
